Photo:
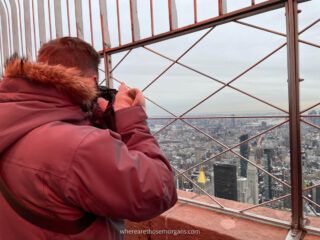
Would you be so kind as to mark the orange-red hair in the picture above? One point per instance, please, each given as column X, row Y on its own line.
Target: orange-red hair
column 70, row 52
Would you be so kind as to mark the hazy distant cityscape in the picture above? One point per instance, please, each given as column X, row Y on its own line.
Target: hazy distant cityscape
column 229, row 175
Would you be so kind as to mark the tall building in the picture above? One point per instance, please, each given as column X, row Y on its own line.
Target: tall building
column 268, row 155
column 244, row 152
column 242, row 189
column 233, row 121
column 225, row 181
column 253, row 183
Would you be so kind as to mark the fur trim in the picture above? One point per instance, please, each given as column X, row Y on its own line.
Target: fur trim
column 68, row 80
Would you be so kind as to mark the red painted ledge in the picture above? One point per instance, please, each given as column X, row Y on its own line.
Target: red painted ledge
column 186, row 222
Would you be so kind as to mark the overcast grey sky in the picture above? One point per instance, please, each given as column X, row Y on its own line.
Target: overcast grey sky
column 227, row 51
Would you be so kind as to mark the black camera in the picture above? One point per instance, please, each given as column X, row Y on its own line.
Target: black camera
column 104, row 119
column 108, row 94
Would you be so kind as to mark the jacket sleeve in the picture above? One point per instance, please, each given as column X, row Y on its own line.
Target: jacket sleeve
column 124, row 174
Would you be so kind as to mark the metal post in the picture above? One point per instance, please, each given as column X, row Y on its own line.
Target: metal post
column 135, row 26
column 296, row 231
column 58, row 18
column 118, row 22
column 68, row 16
column 195, row 11
column 222, row 4
column 79, row 20
column 27, row 29
column 15, row 29
column 4, row 33
column 151, row 17
column 107, row 57
column 49, row 13
column 34, row 31
column 91, row 27
column 41, row 25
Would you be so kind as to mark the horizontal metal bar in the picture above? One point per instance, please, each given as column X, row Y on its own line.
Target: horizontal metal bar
column 225, row 18
column 310, row 116
column 219, row 117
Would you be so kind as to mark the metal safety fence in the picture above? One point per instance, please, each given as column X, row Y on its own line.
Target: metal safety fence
column 26, row 24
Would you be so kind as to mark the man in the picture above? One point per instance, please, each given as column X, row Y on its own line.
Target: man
column 63, row 178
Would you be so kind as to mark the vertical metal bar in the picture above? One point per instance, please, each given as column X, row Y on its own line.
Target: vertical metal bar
column 4, row 32
column 131, row 19
column 135, row 29
column 294, row 116
column 151, row 17
column 15, row 28
column 41, row 23
column 58, row 18
column 91, row 28
column 49, row 13
column 1, row 49
column 77, row 29
column 170, row 14
column 9, row 27
column 118, row 20
column 103, row 11
column 79, row 21
column 27, row 27
column 253, row 2
column 222, row 4
column 107, row 57
column 195, row 11
column 34, row 30
column 68, row 16
column 173, row 19
column 20, row 23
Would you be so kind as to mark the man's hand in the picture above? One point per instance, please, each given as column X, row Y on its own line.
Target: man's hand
column 103, row 104
column 128, row 97
column 125, row 98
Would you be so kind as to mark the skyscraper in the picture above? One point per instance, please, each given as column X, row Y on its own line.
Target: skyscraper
column 242, row 187
column 244, row 152
column 225, row 181
column 267, row 161
column 253, row 189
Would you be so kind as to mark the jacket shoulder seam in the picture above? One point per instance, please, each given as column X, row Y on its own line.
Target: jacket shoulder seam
column 77, row 148
column 33, row 169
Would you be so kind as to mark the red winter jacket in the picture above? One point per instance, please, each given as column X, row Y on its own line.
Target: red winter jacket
column 59, row 165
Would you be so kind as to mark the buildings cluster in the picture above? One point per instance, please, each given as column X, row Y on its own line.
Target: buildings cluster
column 235, row 174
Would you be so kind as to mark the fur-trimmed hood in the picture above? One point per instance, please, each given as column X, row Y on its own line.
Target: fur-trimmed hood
column 81, row 89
